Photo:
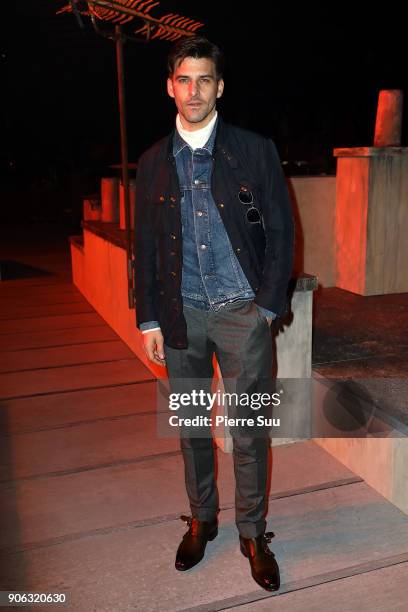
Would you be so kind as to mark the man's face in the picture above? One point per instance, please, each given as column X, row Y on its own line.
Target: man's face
column 195, row 89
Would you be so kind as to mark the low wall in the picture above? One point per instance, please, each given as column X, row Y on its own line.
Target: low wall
column 314, row 206
column 382, row 462
column 99, row 272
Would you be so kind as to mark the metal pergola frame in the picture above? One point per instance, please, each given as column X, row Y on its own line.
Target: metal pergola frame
column 169, row 27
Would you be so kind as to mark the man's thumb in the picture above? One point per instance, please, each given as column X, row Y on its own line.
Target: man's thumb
column 160, row 350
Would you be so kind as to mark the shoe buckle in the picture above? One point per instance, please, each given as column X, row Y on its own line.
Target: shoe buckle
column 187, row 519
column 193, row 524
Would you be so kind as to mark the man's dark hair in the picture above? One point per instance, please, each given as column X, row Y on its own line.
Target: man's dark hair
column 197, row 47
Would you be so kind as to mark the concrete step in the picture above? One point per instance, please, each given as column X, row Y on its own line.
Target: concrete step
column 58, row 410
column 83, row 447
column 50, row 380
column 56, row 337
column 42, row 299
column 374, row 591
column 22, row 326
column 53, row 357
column 40, row 510
column 319, row 536
column 19, row 289
column 34, row 276
column 24, row 311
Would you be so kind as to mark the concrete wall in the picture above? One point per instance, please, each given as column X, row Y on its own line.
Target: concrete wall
column 381, row 462
column 99, row 272
column 372, row 220
column 378, row 452
column 314, row 203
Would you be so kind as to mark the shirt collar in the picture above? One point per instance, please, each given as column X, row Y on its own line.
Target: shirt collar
column 179, row 143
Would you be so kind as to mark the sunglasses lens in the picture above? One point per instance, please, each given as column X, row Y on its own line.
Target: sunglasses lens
column 253, row 215
column 245, row 197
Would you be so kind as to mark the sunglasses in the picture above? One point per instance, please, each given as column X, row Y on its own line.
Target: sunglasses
column 247, row 199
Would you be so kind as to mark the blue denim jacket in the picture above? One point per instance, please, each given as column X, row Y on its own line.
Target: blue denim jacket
column 211, row 275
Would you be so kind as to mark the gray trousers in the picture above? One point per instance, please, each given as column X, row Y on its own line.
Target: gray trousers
column 240, row 337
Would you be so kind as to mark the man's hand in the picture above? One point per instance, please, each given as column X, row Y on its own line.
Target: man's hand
column 268, row 314
column 153, row 346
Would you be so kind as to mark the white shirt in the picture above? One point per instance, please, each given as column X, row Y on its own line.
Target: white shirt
column 198, row 138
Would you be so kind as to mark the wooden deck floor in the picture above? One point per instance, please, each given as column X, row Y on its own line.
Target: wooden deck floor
column 90, row 496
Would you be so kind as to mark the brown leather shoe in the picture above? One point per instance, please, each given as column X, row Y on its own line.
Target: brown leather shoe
column 192, row 547
column 264, row 568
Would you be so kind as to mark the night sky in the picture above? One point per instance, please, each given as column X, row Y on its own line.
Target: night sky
column 306, row 77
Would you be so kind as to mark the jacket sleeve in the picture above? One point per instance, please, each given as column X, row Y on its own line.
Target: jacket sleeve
column 144, row 251
column 279, row 232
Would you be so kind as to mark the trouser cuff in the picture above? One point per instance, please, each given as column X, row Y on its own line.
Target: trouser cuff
column 251, row 530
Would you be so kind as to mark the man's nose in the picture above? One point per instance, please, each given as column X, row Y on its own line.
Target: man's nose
column 193, row 88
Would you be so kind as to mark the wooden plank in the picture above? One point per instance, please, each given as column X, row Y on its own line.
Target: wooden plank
column 56, row 337
column 375, row 591
column 6, row 301
column 50, row 508
column 66, row 409
column 336, row 531
column 16, row 384
column 23, row 311
column 48, row 323
column 17, row 290
column 50, row 279
column 31, row 359
column 84, row 447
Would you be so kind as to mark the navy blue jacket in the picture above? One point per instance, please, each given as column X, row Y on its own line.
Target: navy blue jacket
column 241, row 159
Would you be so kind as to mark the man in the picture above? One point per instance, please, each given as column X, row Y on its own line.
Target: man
column 213, row 257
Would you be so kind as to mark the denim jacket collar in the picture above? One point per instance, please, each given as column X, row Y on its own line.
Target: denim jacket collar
column 179, row 143
column 220, row 147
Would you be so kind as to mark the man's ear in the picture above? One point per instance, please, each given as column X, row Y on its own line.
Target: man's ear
column 170, row 89
column 220, row 88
